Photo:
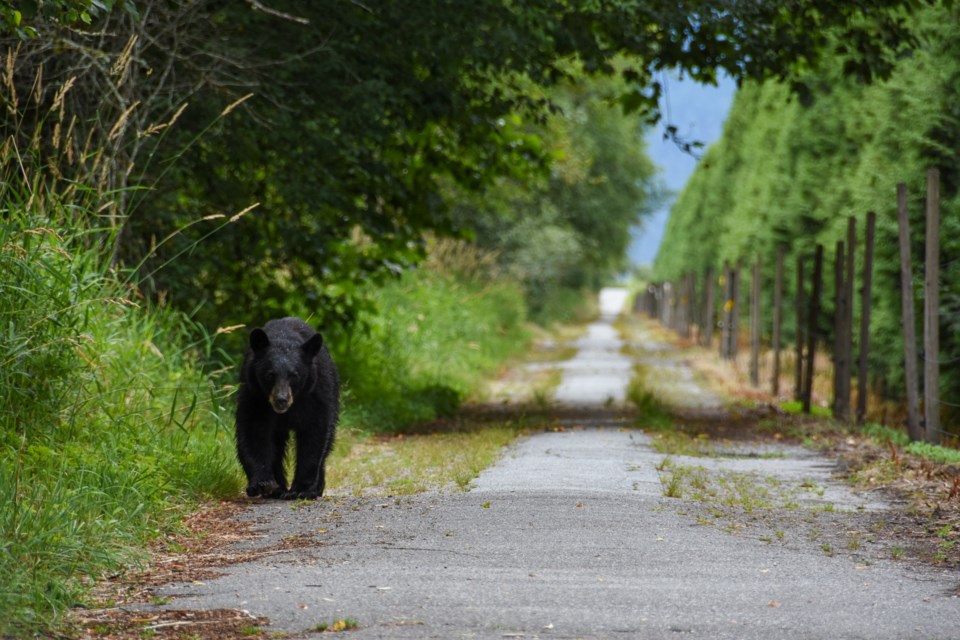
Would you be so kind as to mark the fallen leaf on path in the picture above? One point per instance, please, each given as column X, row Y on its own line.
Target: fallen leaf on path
column 773, row 603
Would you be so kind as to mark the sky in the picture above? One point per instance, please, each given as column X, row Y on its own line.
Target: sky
column 698, row 112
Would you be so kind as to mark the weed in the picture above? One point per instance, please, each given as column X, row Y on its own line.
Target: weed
column 343, row 624
column 896, row 552
column 674, row 485
column 250, row 631
column 653, row 414
column 884, row 435
column 934, row 452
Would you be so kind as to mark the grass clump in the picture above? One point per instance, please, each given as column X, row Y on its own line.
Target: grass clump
column 344, row 624
column 109, row 429
column 796, row 407
column 884, row 435
column 934, row 452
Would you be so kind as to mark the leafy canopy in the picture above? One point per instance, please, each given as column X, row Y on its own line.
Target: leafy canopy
column 362, row 113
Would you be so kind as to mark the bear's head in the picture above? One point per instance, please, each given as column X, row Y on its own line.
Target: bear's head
column 283, row 369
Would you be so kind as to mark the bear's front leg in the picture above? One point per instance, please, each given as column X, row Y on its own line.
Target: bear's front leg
column 256, row 451
column 308, row 478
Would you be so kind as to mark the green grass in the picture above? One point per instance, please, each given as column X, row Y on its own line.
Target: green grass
column 883, row 434
column 432, row 341
column 652, row 412
column 110, row 429
column 344, row 624
column 796, row 407
column 934, row 452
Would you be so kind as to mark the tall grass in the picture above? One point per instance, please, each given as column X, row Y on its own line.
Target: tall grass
column 108, row 431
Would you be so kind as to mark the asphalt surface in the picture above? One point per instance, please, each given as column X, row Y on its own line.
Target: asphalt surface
column 570, row 536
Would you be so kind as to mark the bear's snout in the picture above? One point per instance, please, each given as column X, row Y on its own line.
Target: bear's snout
column 281, row 397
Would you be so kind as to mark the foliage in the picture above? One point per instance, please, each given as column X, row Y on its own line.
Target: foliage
column 568, row 231
column 19, row 17
column 790, row 173
column 357, row 118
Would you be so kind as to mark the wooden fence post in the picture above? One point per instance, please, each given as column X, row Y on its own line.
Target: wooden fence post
column 812, row 328
column 755, row 324
column 909, row 324
column 686, row 299
column 680, row 307
column 866, row 301
column 777, row 319
column 931, row 312
column 735, row 310
column 798, row 339
column 847, row 338
column 709, row 319
column 692, row 319
column 727, row 306
column 838, row 317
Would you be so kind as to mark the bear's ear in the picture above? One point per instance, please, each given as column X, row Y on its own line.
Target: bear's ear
column 259, row 340
column 312, row 346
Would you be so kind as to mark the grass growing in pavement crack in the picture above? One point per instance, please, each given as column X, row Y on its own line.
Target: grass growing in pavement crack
column 748, row 492
column 344, row 624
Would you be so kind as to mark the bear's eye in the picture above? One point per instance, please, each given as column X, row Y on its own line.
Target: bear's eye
column 295, row 376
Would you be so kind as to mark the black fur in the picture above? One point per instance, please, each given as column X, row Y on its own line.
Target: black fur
column 288, row 383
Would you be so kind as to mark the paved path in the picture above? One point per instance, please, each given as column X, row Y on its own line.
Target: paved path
column 599, row 373
column 570, row 536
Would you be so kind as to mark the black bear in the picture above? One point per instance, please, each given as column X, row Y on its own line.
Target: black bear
column 288, row 383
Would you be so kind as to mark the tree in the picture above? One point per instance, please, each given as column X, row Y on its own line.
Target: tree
column 360, row 116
